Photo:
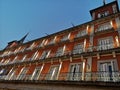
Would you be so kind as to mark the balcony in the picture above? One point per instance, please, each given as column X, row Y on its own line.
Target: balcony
column 69, row 76
column 104, row 31
column 90, row 51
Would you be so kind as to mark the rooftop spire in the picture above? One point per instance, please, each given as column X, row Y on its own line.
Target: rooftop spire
column 104, row 2
column 22, row 39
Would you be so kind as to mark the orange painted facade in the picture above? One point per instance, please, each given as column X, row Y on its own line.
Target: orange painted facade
column 72, row 54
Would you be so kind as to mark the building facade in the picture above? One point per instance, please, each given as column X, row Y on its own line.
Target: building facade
column 87, row 52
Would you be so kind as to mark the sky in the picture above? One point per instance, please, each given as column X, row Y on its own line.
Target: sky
column 38, row 17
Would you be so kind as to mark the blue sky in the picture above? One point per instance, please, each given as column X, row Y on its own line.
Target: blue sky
column 18, row 17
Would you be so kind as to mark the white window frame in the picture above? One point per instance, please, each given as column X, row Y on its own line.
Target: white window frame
column 60, row 51
column 104, row 26
column 34, row 73
column 45, row 54
column 52, row 41
column 23, row 74
column 53, row 75
column 35, row 55
column 78, row 75
column 105, row 75
column 42, row 43
column 78, row 48
column 114, row 8
column 66, row 37
column 105, row 43
column 81, row 33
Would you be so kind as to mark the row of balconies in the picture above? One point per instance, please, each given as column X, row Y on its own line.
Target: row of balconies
column 52, row 42
column 60, row 54
column 113, row 76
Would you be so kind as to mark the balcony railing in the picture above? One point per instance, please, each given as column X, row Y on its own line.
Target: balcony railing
column 69, row 76
column 100, row 48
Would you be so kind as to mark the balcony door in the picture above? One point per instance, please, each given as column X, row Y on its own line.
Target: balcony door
column 36, row 73
column 107, row 71
column 11, row 74
column 22, row 74
column 52, row 75
column 75, row 72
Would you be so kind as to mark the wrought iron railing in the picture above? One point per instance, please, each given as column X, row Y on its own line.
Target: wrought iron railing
column 69, row 76
column 69, row 53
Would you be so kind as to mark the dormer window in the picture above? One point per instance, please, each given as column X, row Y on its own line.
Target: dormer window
column 52, row 41
column 114, row 9
column 16, row 50
column 103, row 14
column 99, row 15
column 42, row 43
column 81, row 33
column 31, row 46
column 66, row 37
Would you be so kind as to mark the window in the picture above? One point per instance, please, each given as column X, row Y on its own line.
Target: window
column 52, row 41
column 107, row 70
column 66, row 37
column 78, row 48
column 81, row 33
column 6, row 53
column 15, row 59
column 24, row 57
column 2, row 61
column 7, row 61
column 52, row 75
column 105, row 43
column 22, row 74
column 36, row 73
column 60, row 51
column 99, row 15
column 75, row 72
column 104, row 26
column 103, row 14
column 17, row 50
column 31, row 46
column 35, row 56
column 42, row 43
column 3, row 73
column 114, row 9
column 11, row 74
column 45, row 54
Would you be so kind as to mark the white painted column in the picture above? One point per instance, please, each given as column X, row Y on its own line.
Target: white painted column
column 83, row 70
column 117, row 41
column 59, row 69
column 41, row 71
column 84, row 45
